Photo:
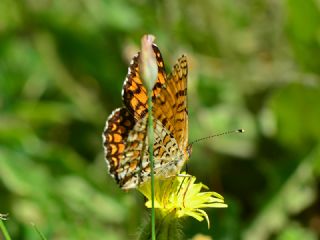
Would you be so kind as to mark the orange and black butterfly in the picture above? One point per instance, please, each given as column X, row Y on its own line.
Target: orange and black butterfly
column 125, row 135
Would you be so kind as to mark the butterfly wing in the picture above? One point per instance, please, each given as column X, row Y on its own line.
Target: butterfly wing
column 134, row 93
column 170, row 107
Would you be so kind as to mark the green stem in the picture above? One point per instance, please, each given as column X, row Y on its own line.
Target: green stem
column 4, row 231
column 151, row 140
column 40, row 233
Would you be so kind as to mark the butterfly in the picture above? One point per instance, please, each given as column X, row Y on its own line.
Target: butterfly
column 125, row 137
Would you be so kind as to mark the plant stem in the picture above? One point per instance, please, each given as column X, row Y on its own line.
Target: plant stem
column 4, row 231
column 151, row 140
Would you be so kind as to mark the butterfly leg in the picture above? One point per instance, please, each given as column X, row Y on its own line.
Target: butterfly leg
column 183, row 175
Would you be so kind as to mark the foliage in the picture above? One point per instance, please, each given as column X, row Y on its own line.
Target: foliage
column 253, row 65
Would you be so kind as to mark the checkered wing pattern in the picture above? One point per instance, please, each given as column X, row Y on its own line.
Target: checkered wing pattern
column 134, row 93
column 125, row 135
column 170, row 107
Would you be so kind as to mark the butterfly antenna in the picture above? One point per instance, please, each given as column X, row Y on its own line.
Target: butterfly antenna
column 216, row 135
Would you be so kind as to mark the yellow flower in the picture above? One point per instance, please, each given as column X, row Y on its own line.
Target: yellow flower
column 183, row 197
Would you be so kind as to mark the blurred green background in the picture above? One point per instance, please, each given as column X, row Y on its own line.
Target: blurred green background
column 254, row 64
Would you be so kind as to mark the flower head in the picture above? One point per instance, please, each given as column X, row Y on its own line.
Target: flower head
column 182, row 196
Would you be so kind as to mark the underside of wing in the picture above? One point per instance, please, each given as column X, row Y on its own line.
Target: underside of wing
column 126, row 150
column 170, row 107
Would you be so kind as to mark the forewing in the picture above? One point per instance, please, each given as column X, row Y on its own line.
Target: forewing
column 170, row 106
column 134, row 93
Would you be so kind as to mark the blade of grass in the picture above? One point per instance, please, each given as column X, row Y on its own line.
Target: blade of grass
column 40, row 233
column 4, row 230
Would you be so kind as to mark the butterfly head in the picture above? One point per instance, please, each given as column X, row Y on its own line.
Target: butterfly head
column 189, row 151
